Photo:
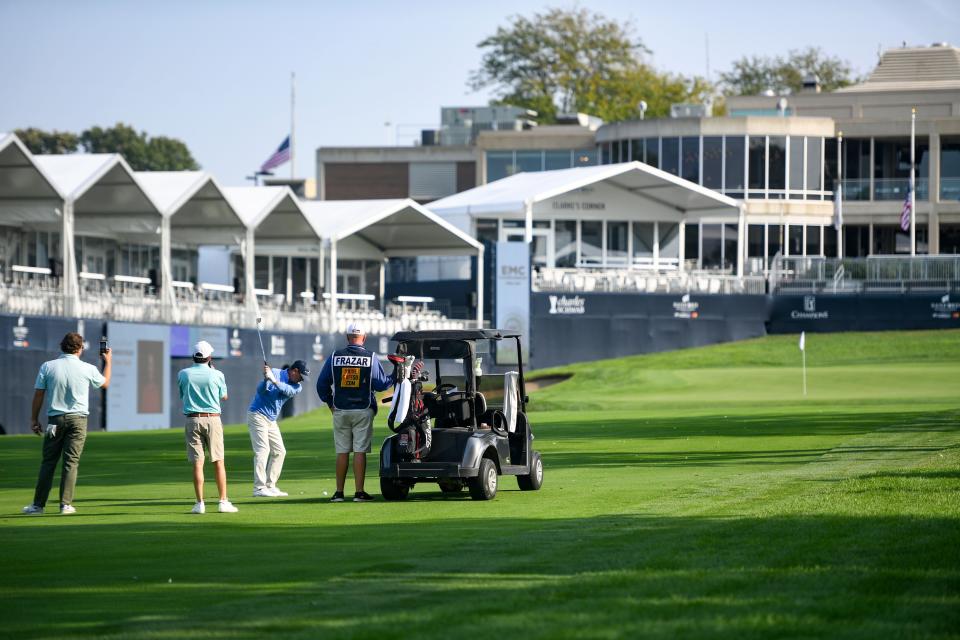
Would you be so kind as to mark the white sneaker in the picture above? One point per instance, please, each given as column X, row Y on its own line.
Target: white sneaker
column 67, row 509
column 278, row 493
column 199, row 508
column 266, row 492
column 227, row 507
column 32, row 510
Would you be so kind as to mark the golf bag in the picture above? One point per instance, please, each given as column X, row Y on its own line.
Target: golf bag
column 408, row 415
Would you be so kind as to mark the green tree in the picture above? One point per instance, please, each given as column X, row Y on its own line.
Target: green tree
column 752, row 75
column 576, row 60
column 141, row 152
column 45, row 142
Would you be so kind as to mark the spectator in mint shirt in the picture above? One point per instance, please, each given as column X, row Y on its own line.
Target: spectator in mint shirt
column 68, row 381
column 277, row 386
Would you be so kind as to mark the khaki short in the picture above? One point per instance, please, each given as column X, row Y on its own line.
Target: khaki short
column 204, row 432
column 352, row 430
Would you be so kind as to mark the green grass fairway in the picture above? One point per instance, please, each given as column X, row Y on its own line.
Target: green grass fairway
column 689, row 494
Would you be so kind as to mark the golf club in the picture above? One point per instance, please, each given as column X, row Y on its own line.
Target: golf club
column 260, row 335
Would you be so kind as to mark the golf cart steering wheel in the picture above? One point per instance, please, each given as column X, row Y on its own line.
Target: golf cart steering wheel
column 444, row 388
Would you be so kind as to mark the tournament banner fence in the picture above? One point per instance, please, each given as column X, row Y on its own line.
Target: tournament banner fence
column 143, row 393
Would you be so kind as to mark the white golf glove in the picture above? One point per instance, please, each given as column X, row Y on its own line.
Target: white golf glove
column 52, row 430
column 408, row 366
column 268, row 375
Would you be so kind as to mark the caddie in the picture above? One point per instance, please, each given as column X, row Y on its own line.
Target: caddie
column 347, row 383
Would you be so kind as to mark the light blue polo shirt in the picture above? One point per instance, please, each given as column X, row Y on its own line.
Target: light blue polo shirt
column 201, row 388
column 68, row 379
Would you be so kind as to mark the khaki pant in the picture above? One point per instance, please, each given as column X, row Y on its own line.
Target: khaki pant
column 352, row 430
column 268, row 450
column 204, row 432
column 66, row 443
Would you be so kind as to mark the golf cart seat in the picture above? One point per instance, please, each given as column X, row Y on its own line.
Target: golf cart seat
column 454, row 409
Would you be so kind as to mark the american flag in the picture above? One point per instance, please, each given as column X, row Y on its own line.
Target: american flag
column 281, row 155
column 905, row 213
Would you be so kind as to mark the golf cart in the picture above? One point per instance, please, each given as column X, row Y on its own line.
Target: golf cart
column 453, row 435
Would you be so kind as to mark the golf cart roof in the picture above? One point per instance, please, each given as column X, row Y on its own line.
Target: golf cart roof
column 453, row 334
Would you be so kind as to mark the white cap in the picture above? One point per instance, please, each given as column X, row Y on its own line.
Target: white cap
column 202, row 349
column 356, row 329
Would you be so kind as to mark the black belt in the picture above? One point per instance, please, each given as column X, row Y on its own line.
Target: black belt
column 203, row 415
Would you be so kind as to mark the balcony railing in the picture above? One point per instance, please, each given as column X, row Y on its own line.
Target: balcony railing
column 875, row 273
column 858, row 189
column 950, row 189
column 41, row 295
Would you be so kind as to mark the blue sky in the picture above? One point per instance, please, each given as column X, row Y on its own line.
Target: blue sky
column 216, row 74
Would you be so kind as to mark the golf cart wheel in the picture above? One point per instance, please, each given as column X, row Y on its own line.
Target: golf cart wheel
column 450, row 486
column 391, row 490
column 533, row 481
column 484, row 486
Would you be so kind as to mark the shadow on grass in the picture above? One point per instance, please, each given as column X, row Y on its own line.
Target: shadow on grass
column 614, row 576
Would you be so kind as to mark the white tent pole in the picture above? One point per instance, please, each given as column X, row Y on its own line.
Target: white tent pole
column 383, row 285
column 913, row 182
column 321, row 281
column 480, row 252
column 740, row 240
column 682, row 247
column 528, row 222
column 289, row 284
column 333, row 285
column 66, row 238
column 166, row 272
column 249, row 266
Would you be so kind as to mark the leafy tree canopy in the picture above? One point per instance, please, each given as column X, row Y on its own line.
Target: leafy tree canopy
column 141, row 152
column 562, row 61
column 752, row 75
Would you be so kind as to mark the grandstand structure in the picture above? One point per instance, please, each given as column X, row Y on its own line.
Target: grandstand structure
column 83, row 235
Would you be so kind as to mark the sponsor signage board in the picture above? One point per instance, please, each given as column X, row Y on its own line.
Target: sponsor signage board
column 138, row 396
column 513, row 298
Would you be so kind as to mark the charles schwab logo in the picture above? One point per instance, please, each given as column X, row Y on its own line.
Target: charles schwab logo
column 686, row 309
column 565, row 305
column 809, row 310
column 945, row 310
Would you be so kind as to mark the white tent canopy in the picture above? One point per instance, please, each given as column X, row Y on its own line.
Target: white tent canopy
column 198, row 209
column 646, row 190
column 378, row 229
column 27, row 194
column 513, row 194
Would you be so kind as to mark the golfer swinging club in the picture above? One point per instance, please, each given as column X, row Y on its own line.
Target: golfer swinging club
column 277, row 386
column 346, row 384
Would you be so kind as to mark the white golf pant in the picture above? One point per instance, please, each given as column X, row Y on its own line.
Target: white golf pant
column 268, row 450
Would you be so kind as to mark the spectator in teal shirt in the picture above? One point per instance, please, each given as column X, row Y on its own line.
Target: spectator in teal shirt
column 202, row 388
column 68, row 379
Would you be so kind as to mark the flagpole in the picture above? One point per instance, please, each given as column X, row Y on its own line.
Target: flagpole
column 839, row 224
column 293, row 122
column 913, row 183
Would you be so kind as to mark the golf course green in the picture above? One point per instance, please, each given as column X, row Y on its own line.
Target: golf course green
column 686, row 494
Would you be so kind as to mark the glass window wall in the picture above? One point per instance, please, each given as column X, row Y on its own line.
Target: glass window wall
column 774, row 240
column 565, row 243
column 637, row 150
column 733, row 155
column 813, row 240
column 591, row 242
column 777, row 150
column 713, row 162
column 755, row 241
column 499, row 165
column 690, row 155
column 651, row 148
column 949, row 169
column 670, row 155
column 529, row 161
column 796, row 165
column 691, row 242
column 643, row 240
column 584, row 157
column 616, row 243
column 557, row 159
column 669, row 240
column 729, row 246
column 795, row 240
column 756, row 171
column 712, row 246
